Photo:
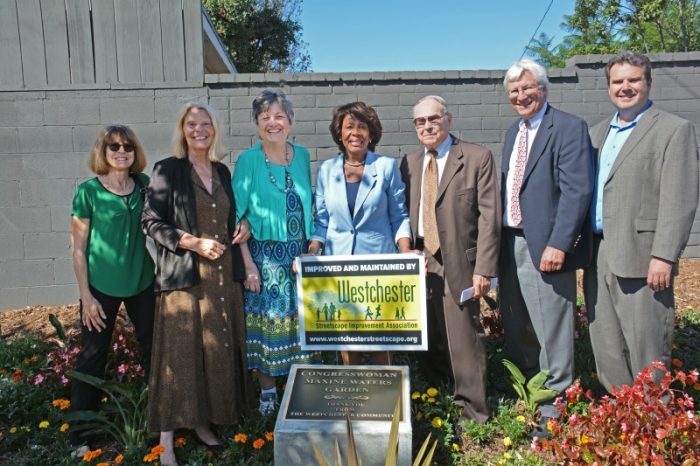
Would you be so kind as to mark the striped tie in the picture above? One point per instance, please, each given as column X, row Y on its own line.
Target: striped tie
column 431, row 240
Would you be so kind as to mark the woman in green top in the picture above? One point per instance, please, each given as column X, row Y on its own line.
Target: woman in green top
column 272, row 182
column 110, row 259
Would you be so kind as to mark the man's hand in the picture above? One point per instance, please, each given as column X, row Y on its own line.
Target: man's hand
column 93, row 315
column 241, row 233
column 552, row 259
column 481, row 284
column 659, row 274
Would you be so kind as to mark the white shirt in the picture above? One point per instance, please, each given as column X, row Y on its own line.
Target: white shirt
column 534, row 125
column 443, row 150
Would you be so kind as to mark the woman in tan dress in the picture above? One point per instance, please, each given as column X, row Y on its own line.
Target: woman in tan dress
column 198, row 370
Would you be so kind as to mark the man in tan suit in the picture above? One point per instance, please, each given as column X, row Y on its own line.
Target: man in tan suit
column 642, row 212
column 453, row 202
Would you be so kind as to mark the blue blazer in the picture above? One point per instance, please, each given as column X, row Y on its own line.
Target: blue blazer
column 557, row 187
column 380, row 216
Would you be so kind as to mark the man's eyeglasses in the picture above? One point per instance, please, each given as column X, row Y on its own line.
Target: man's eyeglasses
column 431, row 120
column 527, row 90
column 114, row 147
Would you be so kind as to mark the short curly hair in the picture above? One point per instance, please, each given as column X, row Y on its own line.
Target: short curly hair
column 97, row 161
column 360, row 111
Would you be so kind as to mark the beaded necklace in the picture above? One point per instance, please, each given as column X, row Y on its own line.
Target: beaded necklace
column 287, row 175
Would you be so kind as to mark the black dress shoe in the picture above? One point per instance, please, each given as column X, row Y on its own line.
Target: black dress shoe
column 216, row 449
column 541, row 431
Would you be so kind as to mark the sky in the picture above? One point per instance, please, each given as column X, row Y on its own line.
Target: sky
column 414, row 35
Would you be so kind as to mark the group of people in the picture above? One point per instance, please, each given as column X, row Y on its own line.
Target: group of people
column 223, row 299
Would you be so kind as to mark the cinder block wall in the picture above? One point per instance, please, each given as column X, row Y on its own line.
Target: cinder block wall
column 45, row 137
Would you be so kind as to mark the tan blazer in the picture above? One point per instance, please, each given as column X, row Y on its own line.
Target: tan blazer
column 468, row 211
column 651, row 194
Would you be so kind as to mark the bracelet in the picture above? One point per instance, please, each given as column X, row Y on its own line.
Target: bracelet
column 252, row 275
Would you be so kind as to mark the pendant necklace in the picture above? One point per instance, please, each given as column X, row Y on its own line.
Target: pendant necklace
column 287, row 175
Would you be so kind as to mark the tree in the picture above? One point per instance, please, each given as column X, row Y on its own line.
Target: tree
column 609, row 26
column 261, row 35
column 544, row 52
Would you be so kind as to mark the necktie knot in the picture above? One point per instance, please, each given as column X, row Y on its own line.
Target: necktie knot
column 524, row 125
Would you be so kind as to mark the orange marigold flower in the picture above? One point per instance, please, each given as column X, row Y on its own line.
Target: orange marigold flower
column 118, row 459
column 258, row 444
column 180, row 441
column 158, row 450
column 676, row 362
column 696, row 386
column 150, row 457
column 240, row 438
column 64, row 427
column 269, row 436
column 104, row 463
column 91, row 455
column 61, row 404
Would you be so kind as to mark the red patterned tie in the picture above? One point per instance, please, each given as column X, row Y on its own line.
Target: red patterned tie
column 520, row 163
column 431, row 240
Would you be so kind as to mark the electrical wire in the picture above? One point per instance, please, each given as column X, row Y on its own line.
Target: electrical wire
column 527, row 46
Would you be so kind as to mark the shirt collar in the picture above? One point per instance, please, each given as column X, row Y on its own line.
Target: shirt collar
column 534, row 122
column 443, row 148
column 615, row 123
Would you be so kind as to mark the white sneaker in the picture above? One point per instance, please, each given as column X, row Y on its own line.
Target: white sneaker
column 268, row 403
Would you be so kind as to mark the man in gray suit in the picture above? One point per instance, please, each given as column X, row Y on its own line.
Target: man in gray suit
column 546, row 186
column 452, row 197
column 642, row 212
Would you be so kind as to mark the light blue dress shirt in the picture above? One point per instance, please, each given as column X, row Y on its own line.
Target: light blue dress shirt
column 616, row 138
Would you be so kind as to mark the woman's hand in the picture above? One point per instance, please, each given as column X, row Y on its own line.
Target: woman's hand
column 241, row 232
column 93, row 315
column 208, row 248
column 252, row 280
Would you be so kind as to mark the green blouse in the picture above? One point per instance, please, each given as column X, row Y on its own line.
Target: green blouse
column 261, row 202
column 118, row 263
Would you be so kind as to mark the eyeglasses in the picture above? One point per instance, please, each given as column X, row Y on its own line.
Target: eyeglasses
column 431, row 120
column 115, row 146
column 527, row 90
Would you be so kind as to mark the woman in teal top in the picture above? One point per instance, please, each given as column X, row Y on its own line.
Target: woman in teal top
column 272, row 183
column 111, row 263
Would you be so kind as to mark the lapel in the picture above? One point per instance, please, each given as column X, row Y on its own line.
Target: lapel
column 598, row 136
column 336, row 192
column 643, row 127
column 508, row 147
column 541, row 139
column 452, row 165
column 369, row 180
column 415, row 168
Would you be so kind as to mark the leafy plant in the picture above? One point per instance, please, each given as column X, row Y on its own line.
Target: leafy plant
column 123, row 418
column 645, row 423
column 531, row 393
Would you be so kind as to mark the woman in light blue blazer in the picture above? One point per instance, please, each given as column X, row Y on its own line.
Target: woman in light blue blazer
column 360, row 202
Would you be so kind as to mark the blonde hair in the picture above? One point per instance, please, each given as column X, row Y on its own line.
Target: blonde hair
column 217, row 151
column 97, row 162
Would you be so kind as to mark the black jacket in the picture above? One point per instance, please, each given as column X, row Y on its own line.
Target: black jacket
column 170, row 211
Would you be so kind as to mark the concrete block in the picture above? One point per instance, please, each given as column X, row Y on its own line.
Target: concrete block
column 495, row 123
column 47, row 245
column 304, row 127
column 465, row 123
column 494, row 97
column 55, row 166
column 335, row 100
column 127, row 110
column 21, row 113
column 71, row 111
column 462, row 97
column 482, row 110
column 84, row 137
column 11, row 246
column 155, row 137
column 34, row 193
column 24, row 219
column 240, row 116
column 242, row 129
column 313, row 114
column 597, row 95
column 20, row 273
column 395, row 112
column 301, row 89
column 13, row 298
column 45, row 139
column 168, row 108
column 22, row 95
column 61, row 217
column 315, row 140
column 379, row 99
column 9, row 141
column 239, row 142
column 9, row 193
column 53, row 295
column 390, row 126
column 348, row 89
column 63, row 272
column 241, row 102
column 396, row 139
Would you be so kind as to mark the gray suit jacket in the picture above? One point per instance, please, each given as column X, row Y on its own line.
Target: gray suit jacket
column 651, row 194
column 467, row 210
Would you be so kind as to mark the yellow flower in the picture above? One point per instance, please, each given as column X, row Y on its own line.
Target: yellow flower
column 623, row 437
column 507, row 455
column 431, row 400
column 550, row 426
column 455, row 447
column 64, row 427
column 437, row 422
column 520, row 419
column 415, row 395
column 424, row 396
column 507, row 442
column 13, row 430
column 118, row 459
column 43, row 424
column 584, row 440
column 432, row 392
column 104, row 399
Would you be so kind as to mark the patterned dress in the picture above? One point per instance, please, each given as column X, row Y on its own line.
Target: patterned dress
column 271, row 316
